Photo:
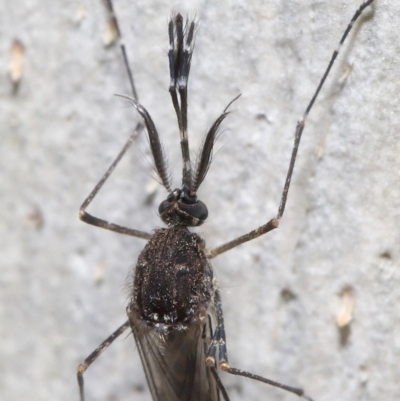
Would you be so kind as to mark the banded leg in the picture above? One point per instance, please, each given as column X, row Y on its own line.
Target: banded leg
column 219, row 341
column 211, row 365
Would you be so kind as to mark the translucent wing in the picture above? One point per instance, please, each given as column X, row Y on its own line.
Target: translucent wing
column 174, row 362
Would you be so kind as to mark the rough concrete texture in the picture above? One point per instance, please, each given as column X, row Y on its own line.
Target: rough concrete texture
column 62, row 285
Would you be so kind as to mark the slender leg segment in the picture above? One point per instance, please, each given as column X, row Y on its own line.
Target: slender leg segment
column 95, row 221
column 114, row 22
column 83, row 366
column 219, row 341
column 274, row 223
column 83, row 215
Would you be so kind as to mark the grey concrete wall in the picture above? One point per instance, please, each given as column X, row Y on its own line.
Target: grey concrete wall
column 62, row 285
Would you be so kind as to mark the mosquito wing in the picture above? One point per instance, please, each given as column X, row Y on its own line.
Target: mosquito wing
column 174, row 363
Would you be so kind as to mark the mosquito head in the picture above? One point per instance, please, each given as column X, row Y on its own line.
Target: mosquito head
column 183, row 209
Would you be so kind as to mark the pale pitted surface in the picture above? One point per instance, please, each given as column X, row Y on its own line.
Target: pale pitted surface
column 280, row 293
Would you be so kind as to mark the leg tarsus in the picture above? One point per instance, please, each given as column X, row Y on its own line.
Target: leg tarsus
column 84, row 365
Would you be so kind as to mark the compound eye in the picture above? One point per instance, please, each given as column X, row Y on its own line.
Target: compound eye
column 198, row 210
column 164, row 206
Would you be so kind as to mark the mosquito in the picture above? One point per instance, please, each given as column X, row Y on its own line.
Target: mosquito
column 175, row 311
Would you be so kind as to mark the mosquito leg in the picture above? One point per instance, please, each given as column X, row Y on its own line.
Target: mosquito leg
column 301, row 124
column 274, row 223
column 83, row 366
column 83, row 215
column 219, row 383
column 113, row 21
column 213, row 369
column 219, row 340
column 271, row 225
column 95, row 221
column 237, row 372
